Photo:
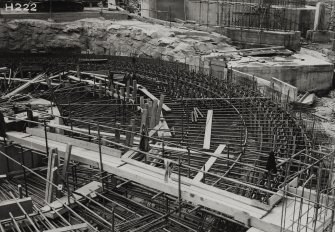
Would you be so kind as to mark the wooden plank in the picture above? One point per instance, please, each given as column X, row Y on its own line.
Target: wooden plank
column 75, row 142
column 195, row 192
column 86, row 190
column 152, row 97
column 154, row 130
column 85, row 131
column 165, row 130
column 159, row 110
column 208, row 130
column 134, row 93
column 274, row 199
column 49, row 167
column 153, row 114
column 144, row 119
column 52, row 175
column 132, row 135
column 67, row 159
column 24, row 86
column 209, row 163
column 78, row 154
column 27, row 80
column 68, row 228
column 177, row 149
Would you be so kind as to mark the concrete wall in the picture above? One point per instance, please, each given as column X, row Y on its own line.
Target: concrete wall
column 305, row 78
column 203, row 12
column 227, row 13
column 163, row 9
column 148, row 8
column 177, row 9
column 288, row 39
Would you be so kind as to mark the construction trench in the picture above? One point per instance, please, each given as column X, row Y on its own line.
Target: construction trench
column 126, row 123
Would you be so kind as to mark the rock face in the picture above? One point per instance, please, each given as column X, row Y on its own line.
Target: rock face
column 110, row 37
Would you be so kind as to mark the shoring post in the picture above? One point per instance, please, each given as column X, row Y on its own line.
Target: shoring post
column 313, row 137
column 135, row 91
column 318, row 189
column 228, row 155
column 128, row 90
column 78, row 72
column 163, row 145
column 332, row 187
column 105, row 86
column 113, row 218
column 24, row 172
column 189, row 161
column 46, row 137
column 132, row 134
column 93, row 86
column 89, row 132
column 179, row 185
column 20, row 191
column 117, row 132
column 167, row 204
column 182, row 121
column 123, row 97
column 69, row 106
column 100, row 157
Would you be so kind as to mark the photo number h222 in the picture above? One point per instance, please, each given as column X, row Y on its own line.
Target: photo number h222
column 28, row 7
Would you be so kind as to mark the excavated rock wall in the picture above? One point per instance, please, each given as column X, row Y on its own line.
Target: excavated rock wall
column 110, row 37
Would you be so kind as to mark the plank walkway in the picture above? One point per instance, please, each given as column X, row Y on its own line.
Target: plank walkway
column 240, row 208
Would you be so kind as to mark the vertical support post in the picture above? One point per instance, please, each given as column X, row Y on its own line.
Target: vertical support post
column 144, row 119
column 135, row 91
column 128, row 90
column 159, row 110
column 20, row 191
column 113, row 219
column 133, row 127
column 46, row 137
column 179, row 184
column 122, row 95
column 52, row 174
column 142, row 102
column 100, row 157
column 78, row 72
column 67, row 159
column 100, row 89
column 154, row 114
column 189, row 161
column 117, row 132
column 24, row 172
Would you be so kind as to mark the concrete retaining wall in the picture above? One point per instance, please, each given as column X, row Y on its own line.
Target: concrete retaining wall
column 305, row 78
column 288, row 39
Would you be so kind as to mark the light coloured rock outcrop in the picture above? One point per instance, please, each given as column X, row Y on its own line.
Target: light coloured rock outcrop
column 110, row 37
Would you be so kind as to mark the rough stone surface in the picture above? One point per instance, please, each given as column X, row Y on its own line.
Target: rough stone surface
column 110, row 37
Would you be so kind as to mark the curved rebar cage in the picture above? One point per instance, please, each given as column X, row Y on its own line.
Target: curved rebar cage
column 106, row 99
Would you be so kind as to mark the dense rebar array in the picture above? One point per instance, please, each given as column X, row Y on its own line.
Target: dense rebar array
column 101, row 100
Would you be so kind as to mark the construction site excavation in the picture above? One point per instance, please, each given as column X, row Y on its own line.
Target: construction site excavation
column 209, row 116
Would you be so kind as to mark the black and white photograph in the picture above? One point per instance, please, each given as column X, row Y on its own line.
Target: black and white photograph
column 167, row 116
